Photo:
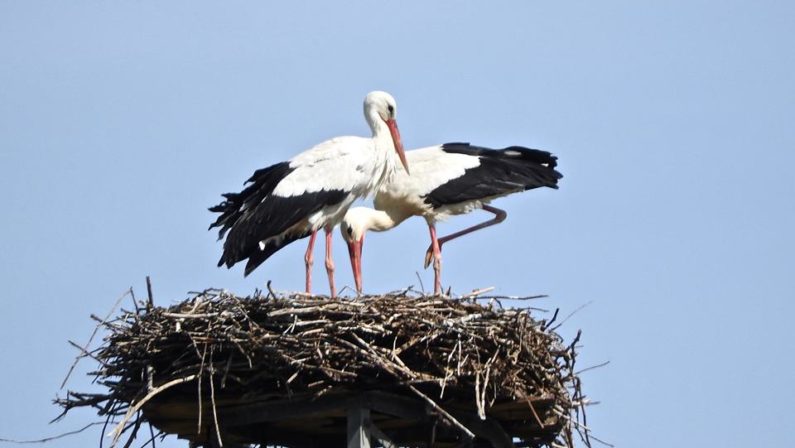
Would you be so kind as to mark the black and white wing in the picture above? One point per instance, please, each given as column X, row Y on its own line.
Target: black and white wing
column 493, row 173
column 289, row 200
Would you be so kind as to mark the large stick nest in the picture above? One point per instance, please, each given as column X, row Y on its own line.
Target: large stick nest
column 283, row 370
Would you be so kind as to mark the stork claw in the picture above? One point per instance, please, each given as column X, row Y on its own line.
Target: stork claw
column 428, row 257
column 429, row 254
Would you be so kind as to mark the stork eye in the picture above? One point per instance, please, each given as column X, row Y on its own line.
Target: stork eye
column 391, row 109
column 350, row 231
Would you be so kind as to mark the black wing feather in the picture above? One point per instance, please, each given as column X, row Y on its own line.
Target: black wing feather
column 255, row 215
column 501, row 172
column 257, row 257
column 263, row 182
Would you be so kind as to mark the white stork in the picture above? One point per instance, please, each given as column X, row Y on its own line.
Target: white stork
column 446, row 180
column 312, row 191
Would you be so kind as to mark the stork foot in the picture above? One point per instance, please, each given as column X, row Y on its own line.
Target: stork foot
column 429, row 255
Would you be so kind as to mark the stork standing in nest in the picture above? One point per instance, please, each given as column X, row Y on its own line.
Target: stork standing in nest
column 295, row 199
column 446, row 180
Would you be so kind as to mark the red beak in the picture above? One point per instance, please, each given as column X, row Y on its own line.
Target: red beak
column 355, row 252
column 393, row 129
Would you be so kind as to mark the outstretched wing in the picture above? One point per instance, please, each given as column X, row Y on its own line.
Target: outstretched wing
column 498, row 172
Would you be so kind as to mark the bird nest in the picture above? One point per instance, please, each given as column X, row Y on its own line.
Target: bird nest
column 222, row 370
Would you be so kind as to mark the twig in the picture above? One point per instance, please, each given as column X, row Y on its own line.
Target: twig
column 578, row 373
column 550, row 321
column 533, row 411
column 93, row 334
column 190, row 316
column 478, row 292
column 50, row 439
column 443, row 413
column 271, row 294
column 199, row 390
column 117, row 431
column 152, row 438
column 215, row 408
column 422, row 287
column 149, row 297
column 137, row 425
column 573, row 313
column 86, row 354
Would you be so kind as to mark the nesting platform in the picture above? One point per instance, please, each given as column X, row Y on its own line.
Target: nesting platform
column 398, row 370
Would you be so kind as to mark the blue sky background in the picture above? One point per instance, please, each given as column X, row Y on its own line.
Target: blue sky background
column 121, row 122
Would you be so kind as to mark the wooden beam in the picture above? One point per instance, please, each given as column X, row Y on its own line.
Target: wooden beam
column 488, row 429
column 395, row 405
column 274, row 411
column 395, row 409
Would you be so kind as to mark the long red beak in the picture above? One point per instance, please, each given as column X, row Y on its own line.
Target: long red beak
column 355, row 252
column 393, row 129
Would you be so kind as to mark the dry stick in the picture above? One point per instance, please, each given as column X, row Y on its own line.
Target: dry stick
column 579, row 425
column 602, row 441
column 478, row 404
column 374, row 356
column 227, row 368
column 478, row 292
column 150, row 298
column 444, row 413
column 486, row 383
column 380, row 361
column 199, row 391
column 576, row 424
column 533, row 410
column 104, row 428
column 270, row 290
column 134, row 432
column 152, row 438
column 91, row 339
column 189, row 316
column 135, row 304
column 212, row 399
column 572, row 314
column 578, row 388
column 151, row 431
column 50, row 439
column 87, row 354
column 574, row 343
column 592, row 368
column 137, row 407
column 422, row 287
column 549, row 323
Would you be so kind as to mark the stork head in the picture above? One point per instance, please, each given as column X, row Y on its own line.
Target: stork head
column 355, row 224
column 380, row 107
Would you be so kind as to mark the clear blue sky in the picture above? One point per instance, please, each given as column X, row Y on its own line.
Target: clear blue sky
column 674, row 122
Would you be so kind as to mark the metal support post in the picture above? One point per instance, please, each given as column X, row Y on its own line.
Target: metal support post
column 358, row 427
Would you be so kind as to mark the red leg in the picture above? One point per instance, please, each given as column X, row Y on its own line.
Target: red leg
column 499, row 216
column 309, row 259
column 437, row 261
column 330, row 263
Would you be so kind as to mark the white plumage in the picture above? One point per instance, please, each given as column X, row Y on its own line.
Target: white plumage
column 446, row 180
column 432, row 167
column 294, row 199
column 343, row 163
